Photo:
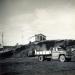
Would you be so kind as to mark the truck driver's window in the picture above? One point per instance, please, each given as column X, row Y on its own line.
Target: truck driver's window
column 55, row 49
column 60, row 49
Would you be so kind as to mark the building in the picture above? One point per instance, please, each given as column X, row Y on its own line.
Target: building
column 38, row 38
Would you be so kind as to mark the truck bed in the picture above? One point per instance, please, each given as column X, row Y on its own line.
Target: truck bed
column 44, row 52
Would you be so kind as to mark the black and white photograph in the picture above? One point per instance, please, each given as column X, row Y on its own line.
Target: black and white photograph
column 37, row 37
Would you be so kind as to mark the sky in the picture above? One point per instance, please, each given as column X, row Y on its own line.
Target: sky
column 21, row 19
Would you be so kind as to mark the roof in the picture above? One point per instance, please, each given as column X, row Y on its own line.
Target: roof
column 40, row 34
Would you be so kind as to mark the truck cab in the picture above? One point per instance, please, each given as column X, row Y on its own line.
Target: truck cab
column 58, row 53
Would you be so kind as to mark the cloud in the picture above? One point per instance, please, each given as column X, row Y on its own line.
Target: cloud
column 56, row 24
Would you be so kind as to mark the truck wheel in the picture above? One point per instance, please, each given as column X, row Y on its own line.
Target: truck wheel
column 41, row 58
column 62, row 58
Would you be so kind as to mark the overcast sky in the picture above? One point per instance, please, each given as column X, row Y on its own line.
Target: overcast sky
column 21, row 19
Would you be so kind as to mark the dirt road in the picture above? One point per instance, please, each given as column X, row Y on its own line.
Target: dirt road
column 31, row 66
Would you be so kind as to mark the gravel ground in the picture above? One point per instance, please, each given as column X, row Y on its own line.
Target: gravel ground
column 31, row 66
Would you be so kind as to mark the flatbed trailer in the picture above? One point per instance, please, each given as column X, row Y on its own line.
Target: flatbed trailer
column 44, row 52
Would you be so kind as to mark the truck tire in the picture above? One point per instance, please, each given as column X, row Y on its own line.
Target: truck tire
column 62, row 58
column 41, row 58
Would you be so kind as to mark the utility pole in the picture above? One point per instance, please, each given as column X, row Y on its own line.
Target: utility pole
column 2, row 39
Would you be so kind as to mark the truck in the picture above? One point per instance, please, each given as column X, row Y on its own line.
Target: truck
column 56, row 53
